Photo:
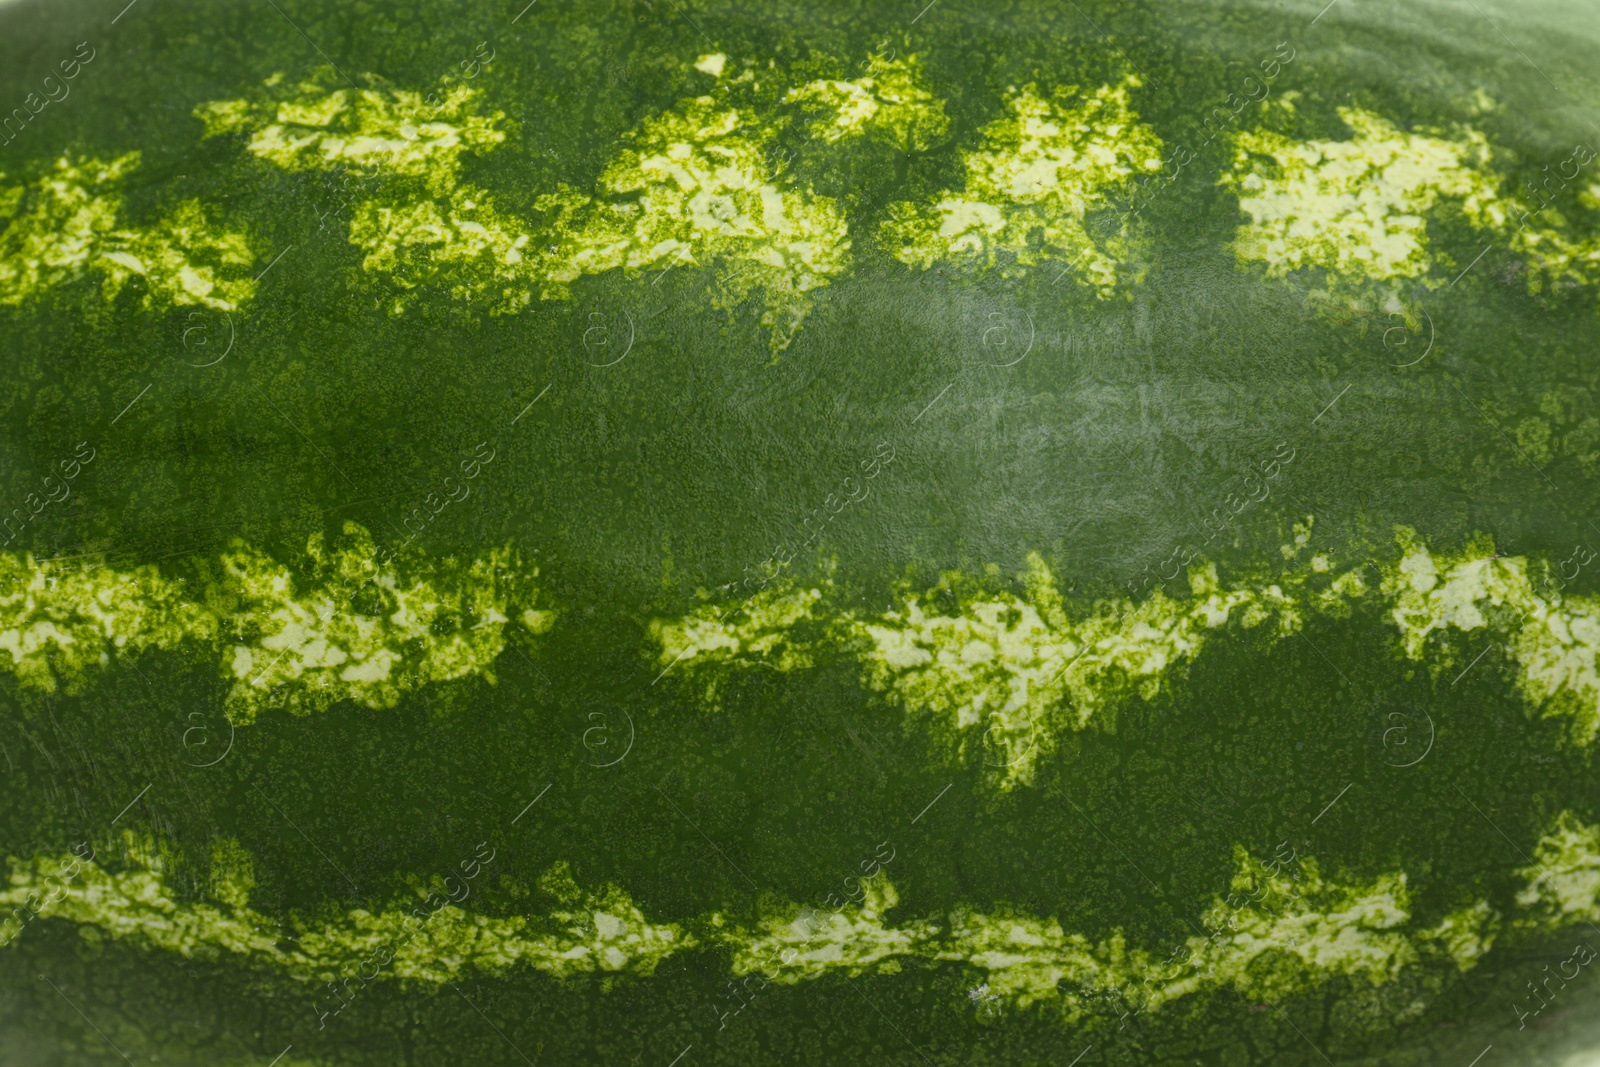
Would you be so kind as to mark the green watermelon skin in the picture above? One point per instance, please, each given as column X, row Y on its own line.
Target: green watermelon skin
column 283, row 390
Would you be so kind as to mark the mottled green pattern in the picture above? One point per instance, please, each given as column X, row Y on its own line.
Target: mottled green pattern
column 322, row 246
column 1285, row 928
column 1357, row 209
column 1011, row 671
column 1297, row 929
column 361, row 627
column 702, row 197
column 757, row 630
column 585, row 932
column 1563, row 882
column 1031, row 187
column 693, row 187
column 62, row 621
column 68, row 223
column 366, row 629
column 1554, row 637
column 690, row 189
column 1560, row 252
column 306, row 125
column 890, row 102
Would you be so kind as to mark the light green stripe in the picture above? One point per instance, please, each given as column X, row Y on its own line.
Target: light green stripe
column 430, row 940
column 1057, row 156
column 1284, row 930
column 68, row 223
column 1008, row 672
column 361, row 628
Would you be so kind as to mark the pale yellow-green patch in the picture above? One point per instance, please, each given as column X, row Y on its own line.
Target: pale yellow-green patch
column 185, row 261
column 1566, row 426
column 1024, row 671
column 999, row 660
column 1557, row 648
column 1556, row 252
column 890, row 102
column 61, row 621
column 233, row 873
column 1032, row 187
column 1284, row 931
column 711, row 64
column 599, row 931
column 688, row 190
column 1554, row 638
column 459, row 242
column 603, row 930
column 1299, row 929
column 362, row 629
column 1006, row 673
column 65, row 225
column 225, row 116
column 806, row 943
column 57, row 226
column 1028, row 960
column 589, row 932
column 1293, row 931
column 463, row 244
column 396, row 131
column 136, row 904
column 714, row 637
column 1563, row 883
column 691, row 188
column 1357, row 209
column 994, row 670
column 1466, row 934
column 1429, row 598
column 1559, row 255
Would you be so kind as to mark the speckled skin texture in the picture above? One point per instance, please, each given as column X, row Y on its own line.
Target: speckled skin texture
column 687, row 533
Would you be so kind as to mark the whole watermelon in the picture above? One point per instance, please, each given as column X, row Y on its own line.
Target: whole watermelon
column 668, row 533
